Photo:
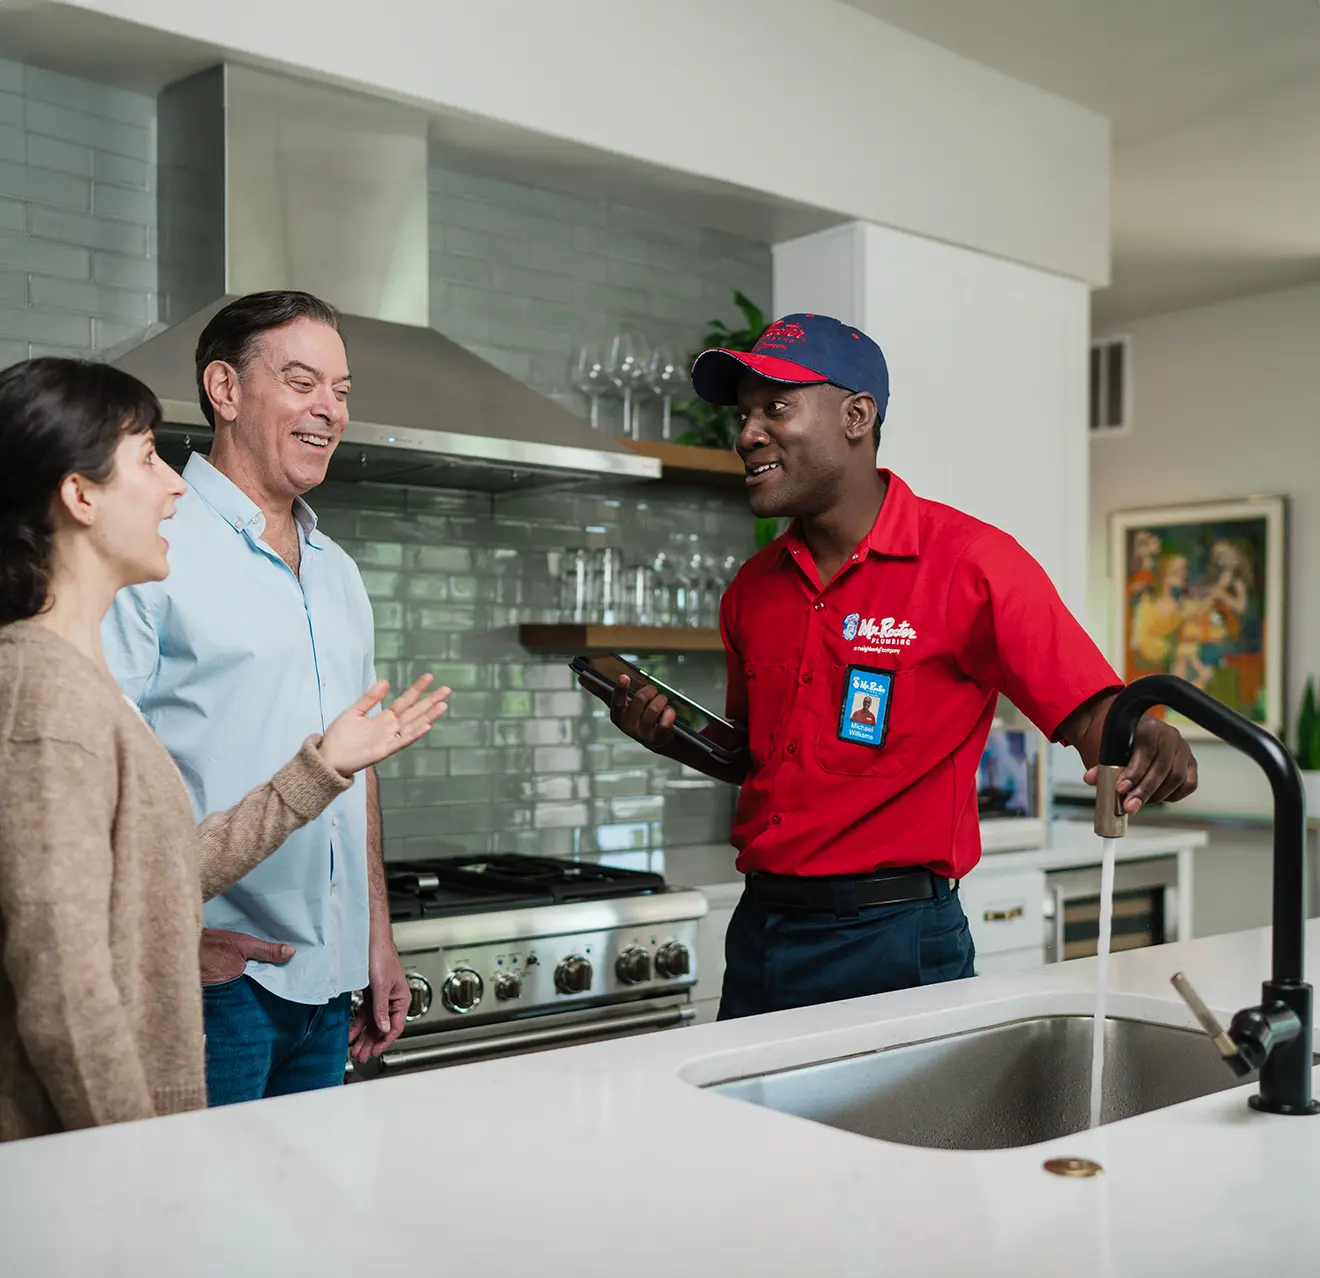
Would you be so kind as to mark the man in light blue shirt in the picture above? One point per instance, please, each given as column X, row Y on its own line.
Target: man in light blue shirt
column 261, row 634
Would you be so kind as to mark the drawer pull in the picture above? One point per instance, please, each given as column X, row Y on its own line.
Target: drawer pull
column 1001, row 916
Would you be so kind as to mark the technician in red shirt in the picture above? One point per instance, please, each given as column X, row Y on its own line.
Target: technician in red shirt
column 853, row 835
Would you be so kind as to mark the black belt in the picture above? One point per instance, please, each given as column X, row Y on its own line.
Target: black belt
column 845, row 893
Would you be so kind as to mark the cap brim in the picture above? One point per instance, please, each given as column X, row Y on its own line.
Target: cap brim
column 716, row 372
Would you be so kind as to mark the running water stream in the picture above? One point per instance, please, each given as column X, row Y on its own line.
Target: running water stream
column 1102, row 978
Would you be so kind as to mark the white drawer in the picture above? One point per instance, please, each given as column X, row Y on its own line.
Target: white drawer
column 1010, row 960
column 1006, row 911
column 710, row 952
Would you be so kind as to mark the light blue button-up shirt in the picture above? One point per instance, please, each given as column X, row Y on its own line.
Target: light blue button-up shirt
column 234, row 661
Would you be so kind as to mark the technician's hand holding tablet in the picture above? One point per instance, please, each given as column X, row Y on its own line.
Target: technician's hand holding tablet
column 664, row 720
column 646, row 715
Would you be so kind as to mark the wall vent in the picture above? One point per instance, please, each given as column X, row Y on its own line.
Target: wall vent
column 1111, row 380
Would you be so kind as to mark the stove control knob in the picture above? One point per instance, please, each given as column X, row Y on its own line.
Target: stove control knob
column 508, row 986
column 420, row 989
column 573, row 975
column 633, row 966
column 672, row 960
column 462, row 990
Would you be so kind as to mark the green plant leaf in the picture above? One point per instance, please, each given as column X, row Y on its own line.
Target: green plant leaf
column 766, row 531
column 1312, row 715
column 751, row 312
column 1308, row 730
column 714, row 425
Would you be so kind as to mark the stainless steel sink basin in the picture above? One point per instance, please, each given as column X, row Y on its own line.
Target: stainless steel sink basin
column 1006, row 1085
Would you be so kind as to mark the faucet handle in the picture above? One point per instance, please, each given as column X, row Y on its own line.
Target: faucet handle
column 1111, row 819
column 1228, row 1049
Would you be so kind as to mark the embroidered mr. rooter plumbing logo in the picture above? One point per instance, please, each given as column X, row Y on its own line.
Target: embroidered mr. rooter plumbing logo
column 780, row 335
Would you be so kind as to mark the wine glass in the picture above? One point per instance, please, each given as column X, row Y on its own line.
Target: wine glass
column 627, row 371
column 591, row 376
column 665, row 375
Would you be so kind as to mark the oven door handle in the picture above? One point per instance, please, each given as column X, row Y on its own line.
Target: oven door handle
column 525, row 1040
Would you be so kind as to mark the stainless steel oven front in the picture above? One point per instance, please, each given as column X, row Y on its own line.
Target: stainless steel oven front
column 492, row 984
column 560, row 1029
column 1145, row 907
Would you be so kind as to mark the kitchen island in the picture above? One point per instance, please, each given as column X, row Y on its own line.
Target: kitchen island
column 609, row 1159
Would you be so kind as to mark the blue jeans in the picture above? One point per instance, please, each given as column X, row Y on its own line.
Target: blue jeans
column 778, row 959
column 258, row 1044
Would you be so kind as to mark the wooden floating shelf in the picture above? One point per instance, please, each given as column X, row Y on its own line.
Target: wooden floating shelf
column 574, row 637
column 687, row 464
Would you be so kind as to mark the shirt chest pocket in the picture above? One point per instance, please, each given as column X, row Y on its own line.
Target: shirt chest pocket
column 765, row 707
column 852, row 759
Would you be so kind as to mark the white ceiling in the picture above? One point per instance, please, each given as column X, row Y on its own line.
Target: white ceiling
column 1216, row 112
column 1215, row 106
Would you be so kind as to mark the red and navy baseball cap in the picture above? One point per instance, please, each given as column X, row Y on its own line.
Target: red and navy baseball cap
column 799, row 350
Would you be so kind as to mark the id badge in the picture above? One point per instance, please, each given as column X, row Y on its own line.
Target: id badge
column 864, row 712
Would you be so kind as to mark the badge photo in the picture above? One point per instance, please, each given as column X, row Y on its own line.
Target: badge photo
column 864, row 709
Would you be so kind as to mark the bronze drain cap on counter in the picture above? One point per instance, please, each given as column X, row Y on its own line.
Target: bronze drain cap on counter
column 1077, row 1167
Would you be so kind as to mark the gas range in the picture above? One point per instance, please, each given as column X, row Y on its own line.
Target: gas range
column 518, row 953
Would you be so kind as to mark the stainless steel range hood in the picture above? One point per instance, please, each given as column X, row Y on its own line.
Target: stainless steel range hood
column 266, row 182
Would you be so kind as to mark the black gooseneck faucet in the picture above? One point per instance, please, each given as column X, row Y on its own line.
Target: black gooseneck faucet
column 1274, row 1037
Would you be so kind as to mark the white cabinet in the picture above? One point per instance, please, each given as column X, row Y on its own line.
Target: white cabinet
column 1006, row 910
column 1010, row 961
column 710, row 949
column 987, row 368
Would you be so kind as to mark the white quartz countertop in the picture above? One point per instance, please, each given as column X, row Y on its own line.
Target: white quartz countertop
column 607, row 1160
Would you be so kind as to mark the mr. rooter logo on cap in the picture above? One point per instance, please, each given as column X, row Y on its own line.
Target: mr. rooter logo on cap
column 780, row 335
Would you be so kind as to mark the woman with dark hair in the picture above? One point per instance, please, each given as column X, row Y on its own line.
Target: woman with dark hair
column 103, row 869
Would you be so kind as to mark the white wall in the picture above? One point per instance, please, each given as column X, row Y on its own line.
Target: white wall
column 987, row 407
column 1226, row 402
column 813, row 102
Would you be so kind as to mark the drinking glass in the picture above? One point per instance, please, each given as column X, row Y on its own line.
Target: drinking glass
column 576, row 586
column 666, row 375
column 591, row 376
column 637, row 595
column 700, row 571
column 686, row 582
column 607, row 573
column 712, row 590
column 664, row 591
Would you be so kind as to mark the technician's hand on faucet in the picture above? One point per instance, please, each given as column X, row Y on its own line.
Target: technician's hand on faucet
column 1162, row 768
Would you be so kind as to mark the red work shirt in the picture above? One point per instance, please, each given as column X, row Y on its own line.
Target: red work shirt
column 957, row 612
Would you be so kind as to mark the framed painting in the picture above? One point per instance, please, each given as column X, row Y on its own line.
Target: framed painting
column 1199, row 592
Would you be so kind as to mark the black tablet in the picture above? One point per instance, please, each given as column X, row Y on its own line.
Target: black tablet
column 724, row 741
